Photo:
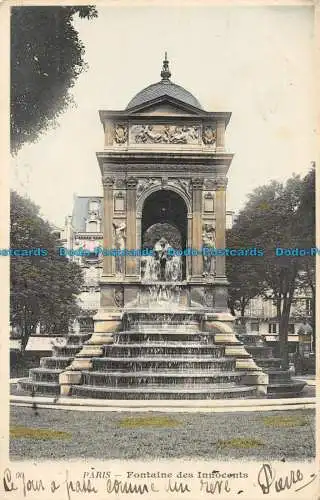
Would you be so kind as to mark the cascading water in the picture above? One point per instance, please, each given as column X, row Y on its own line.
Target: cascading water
column 161, row 353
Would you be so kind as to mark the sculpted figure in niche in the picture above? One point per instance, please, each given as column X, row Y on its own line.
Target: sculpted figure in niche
column 161, row 255
column 208, row 241
column 119, row 239
column 118, row 297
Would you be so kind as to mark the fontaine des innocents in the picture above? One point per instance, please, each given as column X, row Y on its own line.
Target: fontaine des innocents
column 163, row 330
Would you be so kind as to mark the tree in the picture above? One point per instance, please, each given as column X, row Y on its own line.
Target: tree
column 270, row 220
column 306, row 221
column 46, row 59
column 244, row 279
column 43, row 288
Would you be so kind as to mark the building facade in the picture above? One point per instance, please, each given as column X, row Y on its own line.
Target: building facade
column 83, row 230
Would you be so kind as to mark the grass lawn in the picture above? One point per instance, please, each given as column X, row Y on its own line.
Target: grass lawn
column 61, row 434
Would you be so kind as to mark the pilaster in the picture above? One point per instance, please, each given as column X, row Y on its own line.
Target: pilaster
column 220, row 206
column 220, row 144
column 197, row 264
column 108, row 183
column 131, row 261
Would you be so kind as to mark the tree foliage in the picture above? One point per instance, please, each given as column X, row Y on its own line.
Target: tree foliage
column 46, row 59
column 306, row 231
column 43, row 289
column 244, row 278
column 276, row 215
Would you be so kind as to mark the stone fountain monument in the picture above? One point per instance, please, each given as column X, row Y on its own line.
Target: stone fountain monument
column 163, row 330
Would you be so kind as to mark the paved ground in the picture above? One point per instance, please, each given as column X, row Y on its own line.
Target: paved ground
column 289, row 435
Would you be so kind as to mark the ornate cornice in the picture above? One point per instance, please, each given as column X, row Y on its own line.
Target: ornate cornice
column 178, row 160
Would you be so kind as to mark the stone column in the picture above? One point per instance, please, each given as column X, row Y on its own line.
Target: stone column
column 220, row 208
column 221, row 127
column 197, row 264
column 107, row 224
column 131, row 241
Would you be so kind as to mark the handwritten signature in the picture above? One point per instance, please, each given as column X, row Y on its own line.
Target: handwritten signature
column 268, row 480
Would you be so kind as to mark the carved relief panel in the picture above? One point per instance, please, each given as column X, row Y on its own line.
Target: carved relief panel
column 208, row 135
column 208, row 202
column 119, row 201
column 120, row 133
column 164, row 134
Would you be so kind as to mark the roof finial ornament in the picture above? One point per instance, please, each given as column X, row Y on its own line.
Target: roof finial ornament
column 165, row 73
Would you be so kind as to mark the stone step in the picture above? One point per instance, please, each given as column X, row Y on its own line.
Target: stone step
column 163, row 348
column 161, row 363
column 96, row 378
column 287, row 389
column 66, row 350
column 56, row 362
column 45, row 374
column 178, row 392
column 36, row 388
column 259, row 351
column 150, row 337
column 78, row 338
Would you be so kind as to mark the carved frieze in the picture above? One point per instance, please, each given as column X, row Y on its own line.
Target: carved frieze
column 144, row 184
column 184, row 184
column 164, row 182
column 220, row 181
column 165, row 134
column 208, row 135
column 120, row 133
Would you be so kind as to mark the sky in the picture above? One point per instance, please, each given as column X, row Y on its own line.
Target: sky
column 256, row 62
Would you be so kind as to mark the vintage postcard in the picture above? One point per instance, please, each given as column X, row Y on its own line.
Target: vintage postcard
column 158, row 250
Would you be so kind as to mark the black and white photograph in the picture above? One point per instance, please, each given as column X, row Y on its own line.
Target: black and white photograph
column 160, row 251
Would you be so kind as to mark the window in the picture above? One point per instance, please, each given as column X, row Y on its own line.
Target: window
column 92, row 227
column 308, row 307
column 272, row 327
column 291, row 328
column 254, row 326
column 93, row 206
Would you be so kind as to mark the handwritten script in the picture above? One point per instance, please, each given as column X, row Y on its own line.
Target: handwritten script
column 270, row 481
column 201, row 483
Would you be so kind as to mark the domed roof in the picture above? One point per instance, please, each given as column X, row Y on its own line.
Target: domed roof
column 162, row 88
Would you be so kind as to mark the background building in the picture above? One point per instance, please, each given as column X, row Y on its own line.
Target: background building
column 83, row 230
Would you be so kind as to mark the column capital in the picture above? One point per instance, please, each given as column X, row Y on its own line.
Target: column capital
column 107, row 181
column 221, row 183
column 197, row 183
column 132, row 183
